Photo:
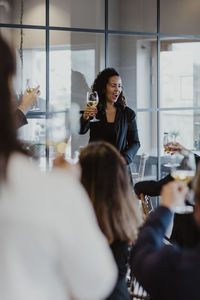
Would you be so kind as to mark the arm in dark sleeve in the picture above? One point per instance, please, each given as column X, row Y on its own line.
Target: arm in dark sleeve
column 133, row 143
column 21, row 118
column 197, row 159
column 84, row 125
column 151, row 187
column 151, row 260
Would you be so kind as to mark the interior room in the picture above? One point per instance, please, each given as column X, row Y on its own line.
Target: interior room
column 61, row 47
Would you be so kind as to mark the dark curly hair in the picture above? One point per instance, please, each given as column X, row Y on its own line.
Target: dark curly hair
column 99, row 85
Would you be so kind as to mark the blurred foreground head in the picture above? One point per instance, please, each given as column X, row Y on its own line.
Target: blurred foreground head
column 8, row 136
column 105, row 177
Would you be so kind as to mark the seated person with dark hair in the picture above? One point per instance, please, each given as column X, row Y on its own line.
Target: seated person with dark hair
column 185, row 232
column 167, row 272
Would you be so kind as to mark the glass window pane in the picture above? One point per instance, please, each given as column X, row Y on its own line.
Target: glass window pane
column 75, row 59
column 180, row 17
column 30, row 12
column 184, row 124
column 77, row 13
column 180, row 73
column 147, row 130
column 135, row 57
column 133, row 15
column 30, row 49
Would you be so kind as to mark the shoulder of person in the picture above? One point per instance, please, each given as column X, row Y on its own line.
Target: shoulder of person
column 130, row 113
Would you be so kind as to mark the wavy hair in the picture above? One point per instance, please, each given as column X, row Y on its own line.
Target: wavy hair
column 99, row 85
column 196, row 186
column 105, row 178
column 8, row 131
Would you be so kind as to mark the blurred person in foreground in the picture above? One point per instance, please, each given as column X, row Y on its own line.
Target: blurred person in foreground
column 50, row 243
column 167, row 272
column 105, row 178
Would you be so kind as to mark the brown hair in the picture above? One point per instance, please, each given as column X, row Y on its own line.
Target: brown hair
column 196, row 186
column 8, row 131
column 106, row 180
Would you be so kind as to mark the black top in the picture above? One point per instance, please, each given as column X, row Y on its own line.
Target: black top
column 109, row 132
column 125, row 134
column 120, row 252
column 185, row 231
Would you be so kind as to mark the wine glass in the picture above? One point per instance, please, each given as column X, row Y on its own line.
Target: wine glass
column 60, row 128
column 169, row 141
column 185, row 173
column 29, row 90
column 92, row 101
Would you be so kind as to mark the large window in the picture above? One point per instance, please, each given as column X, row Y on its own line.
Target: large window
column 154, row 44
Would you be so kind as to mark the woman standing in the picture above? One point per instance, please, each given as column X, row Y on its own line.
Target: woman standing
column 106, row 181
column 117, row 123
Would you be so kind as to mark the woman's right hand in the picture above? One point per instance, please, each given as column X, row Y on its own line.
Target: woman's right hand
column 89, row 112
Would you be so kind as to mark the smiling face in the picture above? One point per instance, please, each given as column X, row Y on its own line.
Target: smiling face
column 113, row 89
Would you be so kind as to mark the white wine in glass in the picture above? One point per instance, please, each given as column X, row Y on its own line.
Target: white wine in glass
column 92, row 101
column 29, row 90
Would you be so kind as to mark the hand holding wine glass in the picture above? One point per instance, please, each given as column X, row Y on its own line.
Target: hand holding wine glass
column 92, row 102
column 33, row 90
column 185, row 173
column 29, row 100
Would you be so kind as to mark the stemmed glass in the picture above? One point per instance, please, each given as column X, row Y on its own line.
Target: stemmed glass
column 29, row 90
column 60, row 128
column 185, row 173
column 92, row 101
column 169, row 142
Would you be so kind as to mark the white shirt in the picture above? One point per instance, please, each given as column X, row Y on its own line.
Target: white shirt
column 50, row 245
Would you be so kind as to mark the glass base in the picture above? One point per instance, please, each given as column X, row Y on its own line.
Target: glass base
column 184, row 209
column 94, row 120
column 171, row 165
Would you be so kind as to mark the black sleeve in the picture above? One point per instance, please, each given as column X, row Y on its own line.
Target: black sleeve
column 197, row 159
column 21, row 118
column 84, row 125
column 133, row 143
column 151, row 261
column 151, row 187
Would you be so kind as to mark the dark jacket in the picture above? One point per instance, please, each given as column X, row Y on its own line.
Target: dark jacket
column 166, row 272
column 125, row 136
column 21, row 118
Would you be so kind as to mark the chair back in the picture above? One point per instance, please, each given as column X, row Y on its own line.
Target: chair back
column 137, row 292
column 141, row 170
column 142, row 164
column 147, row 206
